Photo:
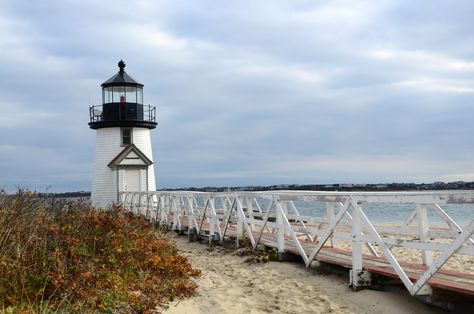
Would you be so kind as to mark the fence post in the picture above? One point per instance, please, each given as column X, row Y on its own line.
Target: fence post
column 240, row 221
column 356, row 247
column 212, row 219
column 281, row 208
column 224, row 206
column 148, row 211
column 190, row 212
column 331, row 218
column 249, row 200
column 174, row 209
column 155, row 207
column 140, row 204
column 424, row 227
column 135, row 203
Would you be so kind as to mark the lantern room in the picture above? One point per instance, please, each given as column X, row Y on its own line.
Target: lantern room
column 122, row 104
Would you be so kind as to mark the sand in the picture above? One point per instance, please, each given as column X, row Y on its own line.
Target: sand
column 457, row 262
column 230, row 285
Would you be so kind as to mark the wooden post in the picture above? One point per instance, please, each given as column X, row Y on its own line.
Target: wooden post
column 212, row 219
column 240, row 224
column 174, row 208
column 356, row 247
column 139, row 208
column 249, row 200
column 224, row 207
column 157, row 208
column 162, row 209
column 331, row 218
column 423, row 225
column 191, row 227
column 148, row 211
column 281, row 206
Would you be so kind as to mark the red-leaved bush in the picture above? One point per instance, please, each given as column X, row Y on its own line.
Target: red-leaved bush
column 56, row 255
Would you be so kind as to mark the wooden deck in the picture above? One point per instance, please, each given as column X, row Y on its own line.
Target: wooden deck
column 444, row 279
column 224, row 214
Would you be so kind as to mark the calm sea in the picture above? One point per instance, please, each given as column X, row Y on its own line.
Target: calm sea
column 378, row 213
column 387, row 213
column 383, row 213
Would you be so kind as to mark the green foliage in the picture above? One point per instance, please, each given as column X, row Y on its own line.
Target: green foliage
column 60, row 256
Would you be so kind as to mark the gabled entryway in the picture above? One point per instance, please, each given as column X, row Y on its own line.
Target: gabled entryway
column 131, row 169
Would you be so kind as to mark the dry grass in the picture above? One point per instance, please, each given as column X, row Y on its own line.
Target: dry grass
column 57, row 256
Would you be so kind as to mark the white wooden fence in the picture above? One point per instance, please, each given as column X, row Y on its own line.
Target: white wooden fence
column 277, row 213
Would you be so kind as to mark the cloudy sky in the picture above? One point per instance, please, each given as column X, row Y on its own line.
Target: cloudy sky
column 248, row 92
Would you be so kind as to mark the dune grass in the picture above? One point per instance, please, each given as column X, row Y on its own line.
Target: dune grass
column 57, row 256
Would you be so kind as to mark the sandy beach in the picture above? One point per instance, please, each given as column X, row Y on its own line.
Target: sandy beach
column 458, row 262
column 230, row 285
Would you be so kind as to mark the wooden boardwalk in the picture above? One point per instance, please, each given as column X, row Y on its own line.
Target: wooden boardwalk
column 444, row 279
column 273, row 219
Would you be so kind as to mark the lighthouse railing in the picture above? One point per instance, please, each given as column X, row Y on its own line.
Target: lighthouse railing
column 119, row 112
column 150, row 113
column 307, row 222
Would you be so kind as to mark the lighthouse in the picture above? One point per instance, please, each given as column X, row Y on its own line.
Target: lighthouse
column 123, row 154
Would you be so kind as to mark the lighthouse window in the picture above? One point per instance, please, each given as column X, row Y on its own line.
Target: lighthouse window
column 131, row 94
column 139, row 95
column 107, row 95
column 126, row 136
column 118, row 93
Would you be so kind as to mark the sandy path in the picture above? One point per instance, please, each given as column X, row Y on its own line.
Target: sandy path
column 229, row 285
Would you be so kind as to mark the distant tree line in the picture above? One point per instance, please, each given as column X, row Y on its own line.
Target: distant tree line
column 84, row 194
column 458, row 185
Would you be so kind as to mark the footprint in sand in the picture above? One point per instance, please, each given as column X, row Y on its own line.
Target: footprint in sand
column 299, row 285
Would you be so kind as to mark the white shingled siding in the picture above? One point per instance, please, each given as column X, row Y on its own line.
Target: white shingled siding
column 121, row 178
column 104, row 180
column 142, row 139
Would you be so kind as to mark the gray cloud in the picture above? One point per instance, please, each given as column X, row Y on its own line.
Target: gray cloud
column 248, row 93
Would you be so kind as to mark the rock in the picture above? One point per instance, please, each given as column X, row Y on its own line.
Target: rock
column 315, row 264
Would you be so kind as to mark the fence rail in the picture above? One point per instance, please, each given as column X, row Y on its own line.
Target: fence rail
column 122, row 112
column 279, row 219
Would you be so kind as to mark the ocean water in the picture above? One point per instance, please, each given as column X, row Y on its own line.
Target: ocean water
column 378, row 213
column 390, row 213
column 81, row 199
column 384, row 213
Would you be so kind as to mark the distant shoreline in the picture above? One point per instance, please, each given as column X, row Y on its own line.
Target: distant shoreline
column 347, row 187
column 369, row 187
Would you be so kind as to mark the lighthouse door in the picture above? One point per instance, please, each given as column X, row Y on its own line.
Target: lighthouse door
column 131, row 180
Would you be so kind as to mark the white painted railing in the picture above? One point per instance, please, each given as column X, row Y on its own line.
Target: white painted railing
column 279, row 213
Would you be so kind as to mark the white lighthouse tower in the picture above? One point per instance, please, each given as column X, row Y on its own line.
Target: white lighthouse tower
column 123, row 155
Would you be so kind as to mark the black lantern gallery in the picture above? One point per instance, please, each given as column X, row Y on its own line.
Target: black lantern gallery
column 122, row 104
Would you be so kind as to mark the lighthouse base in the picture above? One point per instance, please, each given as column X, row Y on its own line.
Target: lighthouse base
column 120, row 168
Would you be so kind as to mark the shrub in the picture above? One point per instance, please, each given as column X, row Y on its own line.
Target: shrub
column 62, row 256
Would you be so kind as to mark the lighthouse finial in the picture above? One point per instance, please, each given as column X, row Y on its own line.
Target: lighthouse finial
column 121, row 65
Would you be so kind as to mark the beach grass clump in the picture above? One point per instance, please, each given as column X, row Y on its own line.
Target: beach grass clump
column 57, row 256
